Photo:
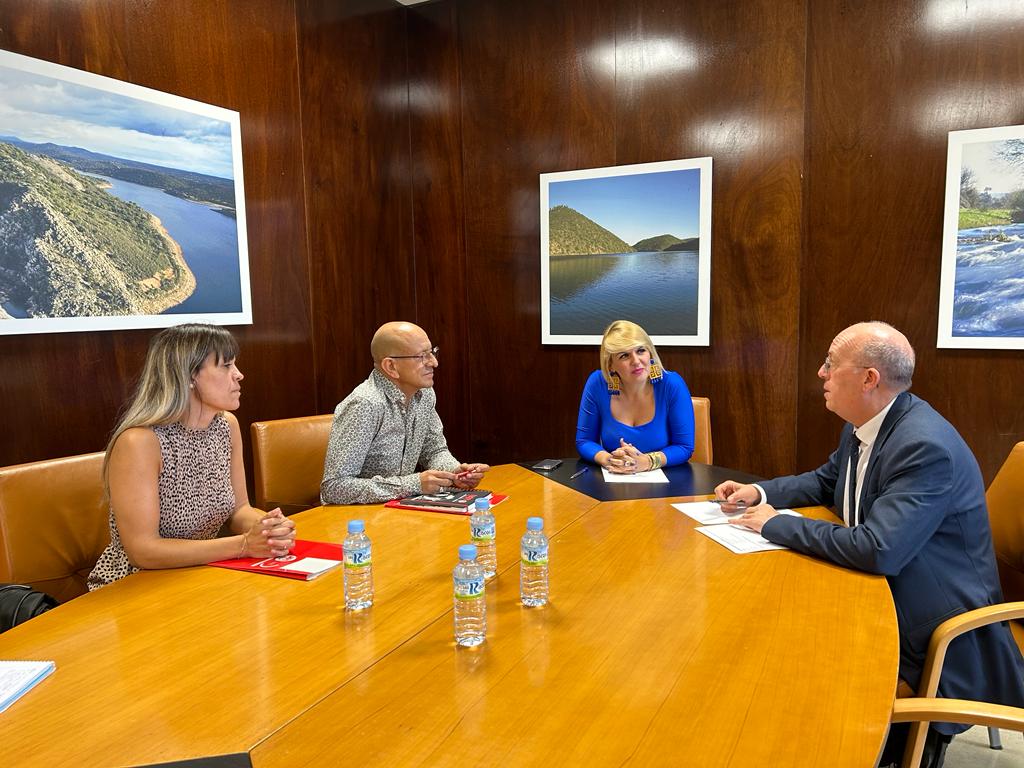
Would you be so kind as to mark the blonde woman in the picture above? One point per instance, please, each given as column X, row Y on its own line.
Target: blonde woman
column 634, row 415
column 173, row 467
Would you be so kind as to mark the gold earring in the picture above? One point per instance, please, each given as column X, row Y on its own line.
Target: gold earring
column 656, row 371
column 616, row 383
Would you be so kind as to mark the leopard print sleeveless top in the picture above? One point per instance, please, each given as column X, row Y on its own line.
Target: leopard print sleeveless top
column 196, row 496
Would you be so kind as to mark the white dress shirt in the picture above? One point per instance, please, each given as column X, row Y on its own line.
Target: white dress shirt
column 867, row 433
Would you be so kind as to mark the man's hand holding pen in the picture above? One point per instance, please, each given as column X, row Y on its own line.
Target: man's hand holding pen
column 745, row 501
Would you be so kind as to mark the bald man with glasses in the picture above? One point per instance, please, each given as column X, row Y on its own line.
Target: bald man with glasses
column 913, row 502
column 387, row 441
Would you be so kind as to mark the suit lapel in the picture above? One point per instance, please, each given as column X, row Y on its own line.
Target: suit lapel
column 899, row 409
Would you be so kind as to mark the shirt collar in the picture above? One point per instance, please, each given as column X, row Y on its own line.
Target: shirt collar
column 391, row 391
column 868, row 431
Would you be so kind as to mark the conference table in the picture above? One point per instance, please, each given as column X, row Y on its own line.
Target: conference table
column 658, row 647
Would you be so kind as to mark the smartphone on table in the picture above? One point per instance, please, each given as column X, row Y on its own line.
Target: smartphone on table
column 546, row 465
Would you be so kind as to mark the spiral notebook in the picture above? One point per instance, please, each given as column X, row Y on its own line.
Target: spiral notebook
column 19, row 677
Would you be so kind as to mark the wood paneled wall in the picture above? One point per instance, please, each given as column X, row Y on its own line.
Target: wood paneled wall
column 391, row 162
column 827, row 123
column 60, row 393
column 886, row 82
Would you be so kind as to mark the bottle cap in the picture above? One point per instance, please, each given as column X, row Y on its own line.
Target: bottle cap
column 356, row 526
column 534, row 523
column 482, row 504
column 467, row 552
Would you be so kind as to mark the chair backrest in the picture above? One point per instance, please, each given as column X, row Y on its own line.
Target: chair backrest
column 1005, row 496
column 54, row 523
column 288, row 458
column 702, row 431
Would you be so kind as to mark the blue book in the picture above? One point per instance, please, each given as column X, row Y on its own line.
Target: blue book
column 18, row 677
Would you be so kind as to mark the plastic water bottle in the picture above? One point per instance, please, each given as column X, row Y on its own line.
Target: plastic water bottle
column 482, row 530
column 533, row 567
column 358, row 567
column 470, row 606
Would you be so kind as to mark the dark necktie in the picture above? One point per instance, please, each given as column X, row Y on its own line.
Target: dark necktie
column 851, row 502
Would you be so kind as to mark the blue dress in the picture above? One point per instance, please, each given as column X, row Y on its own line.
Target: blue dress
column 670, row 431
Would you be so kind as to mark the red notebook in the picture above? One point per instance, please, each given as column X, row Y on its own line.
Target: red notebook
column 307, row 560
column 413, row 502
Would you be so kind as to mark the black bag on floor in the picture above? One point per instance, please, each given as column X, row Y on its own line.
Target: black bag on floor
column 19, row 603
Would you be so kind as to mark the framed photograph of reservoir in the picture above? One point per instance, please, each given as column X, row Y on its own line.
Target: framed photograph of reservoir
column 981, row 299
column 120, row 206
column 632, row 242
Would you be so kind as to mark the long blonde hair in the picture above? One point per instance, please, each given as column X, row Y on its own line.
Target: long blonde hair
column 162, row 395
column 622, row 336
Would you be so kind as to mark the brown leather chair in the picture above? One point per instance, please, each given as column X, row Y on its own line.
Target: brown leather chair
column 1003, row 499
column 54, row 523
column 702, row 431
column 288, row 458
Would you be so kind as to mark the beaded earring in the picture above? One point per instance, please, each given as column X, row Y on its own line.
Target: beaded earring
column 616, row 385
column 656, row 371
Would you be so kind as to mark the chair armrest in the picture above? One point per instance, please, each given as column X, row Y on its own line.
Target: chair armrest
column 958, row 711
column 926, row 708
column 952, row 628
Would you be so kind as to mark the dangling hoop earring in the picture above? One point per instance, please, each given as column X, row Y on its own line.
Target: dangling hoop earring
column 656, row 371
column 616, row 385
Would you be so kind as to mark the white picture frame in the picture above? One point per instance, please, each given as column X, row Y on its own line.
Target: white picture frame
column 88, row 165
column 981, row 294
column 663, row 285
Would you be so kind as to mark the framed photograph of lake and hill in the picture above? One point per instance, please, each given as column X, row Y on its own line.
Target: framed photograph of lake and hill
column 631, row 242
column 981, row 299
column 120, row 206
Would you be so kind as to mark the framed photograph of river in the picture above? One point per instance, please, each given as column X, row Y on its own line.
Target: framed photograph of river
column 632, row 242
column 981, row 299
column 120, row 206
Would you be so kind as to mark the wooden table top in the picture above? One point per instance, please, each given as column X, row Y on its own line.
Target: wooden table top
column 659, row 646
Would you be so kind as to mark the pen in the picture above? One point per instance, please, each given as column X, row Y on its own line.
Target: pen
column 738, row 506
column 574, row 475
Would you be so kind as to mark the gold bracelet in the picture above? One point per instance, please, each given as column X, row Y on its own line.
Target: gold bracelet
column 245, row 543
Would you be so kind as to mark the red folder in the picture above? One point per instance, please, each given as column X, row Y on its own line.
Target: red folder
column 306, row 561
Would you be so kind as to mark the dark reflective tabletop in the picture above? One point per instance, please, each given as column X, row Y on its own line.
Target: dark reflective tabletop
column 690, row 479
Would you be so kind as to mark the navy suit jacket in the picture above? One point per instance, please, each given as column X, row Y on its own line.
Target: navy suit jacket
column 925, row 527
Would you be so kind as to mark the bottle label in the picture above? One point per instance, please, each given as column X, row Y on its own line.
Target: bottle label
column 469, row 589
column 535, row 555
column 357, row 558
column 481, row 531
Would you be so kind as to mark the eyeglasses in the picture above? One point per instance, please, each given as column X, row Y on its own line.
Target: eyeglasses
column 828, row 366
column 423, row 357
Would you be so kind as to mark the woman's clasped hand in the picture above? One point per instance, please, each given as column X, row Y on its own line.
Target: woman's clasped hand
column 271, row 536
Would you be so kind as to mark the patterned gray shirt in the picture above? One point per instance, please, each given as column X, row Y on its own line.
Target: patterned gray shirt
column 378, row 444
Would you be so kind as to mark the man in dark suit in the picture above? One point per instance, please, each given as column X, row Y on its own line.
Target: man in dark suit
column 913, row 500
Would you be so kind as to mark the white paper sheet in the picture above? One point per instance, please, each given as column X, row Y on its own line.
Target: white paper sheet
column 654, row 476
column 311, row 565
column 704, row 512
column 18, row 677
column 742, row 541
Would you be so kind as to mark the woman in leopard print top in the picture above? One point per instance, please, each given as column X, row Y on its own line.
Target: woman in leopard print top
column 173, row 467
